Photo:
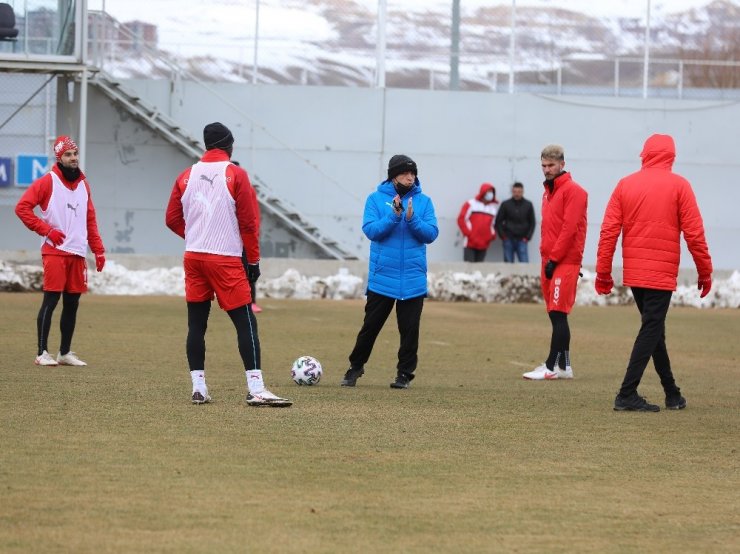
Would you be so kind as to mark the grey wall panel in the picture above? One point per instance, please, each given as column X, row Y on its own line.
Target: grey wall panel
column 326, row 148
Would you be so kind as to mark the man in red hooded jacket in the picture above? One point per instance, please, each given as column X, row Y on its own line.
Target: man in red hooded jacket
column 476, row 221
column 68, row 225
column 564, row 205
column 651, row 208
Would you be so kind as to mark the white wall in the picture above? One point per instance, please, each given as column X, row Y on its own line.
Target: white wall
column 326, row 149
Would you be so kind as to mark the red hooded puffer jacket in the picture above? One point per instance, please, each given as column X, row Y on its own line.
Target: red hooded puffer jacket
column 477, row 219
column 652, row 207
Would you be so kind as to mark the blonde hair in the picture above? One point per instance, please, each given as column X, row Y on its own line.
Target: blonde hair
column 553, row 152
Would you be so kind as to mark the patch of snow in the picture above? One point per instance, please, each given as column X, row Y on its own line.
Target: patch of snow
column 446, row 286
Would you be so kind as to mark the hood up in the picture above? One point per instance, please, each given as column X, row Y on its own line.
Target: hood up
column 659, row 151
column 484, row 188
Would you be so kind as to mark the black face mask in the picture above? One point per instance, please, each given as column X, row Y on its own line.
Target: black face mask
column 71, row 174
column 402, row 190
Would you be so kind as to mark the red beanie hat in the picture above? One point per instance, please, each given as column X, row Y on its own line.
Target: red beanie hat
column 62, row 144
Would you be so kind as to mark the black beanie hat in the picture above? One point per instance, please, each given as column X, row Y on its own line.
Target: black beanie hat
column 217, row 135
column 401, row 164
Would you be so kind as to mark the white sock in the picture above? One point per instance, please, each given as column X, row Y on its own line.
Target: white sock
column 199, row 380
column 255, row 384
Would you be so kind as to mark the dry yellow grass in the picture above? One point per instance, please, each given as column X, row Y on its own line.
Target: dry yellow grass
column 114, row 458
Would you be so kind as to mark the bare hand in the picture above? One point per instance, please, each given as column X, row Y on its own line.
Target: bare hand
column 409, row 209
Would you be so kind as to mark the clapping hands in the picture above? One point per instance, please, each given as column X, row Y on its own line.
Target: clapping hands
column 398, row 207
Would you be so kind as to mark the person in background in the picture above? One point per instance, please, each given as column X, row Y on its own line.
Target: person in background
column 476, row 221
column 211, row 207
column 515, row 225
column 68, row 225
column 563, row 238
column 651, row 209
column 399, row 220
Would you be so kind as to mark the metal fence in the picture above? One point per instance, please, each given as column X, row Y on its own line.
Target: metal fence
column 497, row 45
column 487, row 46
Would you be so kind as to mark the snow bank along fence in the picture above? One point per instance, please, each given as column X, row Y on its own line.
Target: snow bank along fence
column 339, row 280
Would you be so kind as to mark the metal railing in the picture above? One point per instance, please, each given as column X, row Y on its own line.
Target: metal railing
column 269, row 199
column 598, row 75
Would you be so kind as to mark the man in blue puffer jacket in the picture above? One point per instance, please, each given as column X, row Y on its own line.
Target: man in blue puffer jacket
column 399, row 220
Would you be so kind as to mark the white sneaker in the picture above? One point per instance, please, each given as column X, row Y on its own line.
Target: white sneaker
column 200, row 397
column 541, row 373
column 266, row 398
column 566, row 373
column 45, row 359
column 70, row 358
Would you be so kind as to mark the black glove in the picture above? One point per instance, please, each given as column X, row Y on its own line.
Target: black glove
column 550, row 268
column 253, row 272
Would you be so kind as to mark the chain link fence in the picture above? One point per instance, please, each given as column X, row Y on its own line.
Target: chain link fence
column 498, row 46
column 27, row 127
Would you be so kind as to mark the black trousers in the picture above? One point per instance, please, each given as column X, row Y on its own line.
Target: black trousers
column 474, row 255
column 247, row 335
column 650, row 341
column 408, row 317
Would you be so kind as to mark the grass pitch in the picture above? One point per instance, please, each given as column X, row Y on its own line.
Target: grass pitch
column 114, row 458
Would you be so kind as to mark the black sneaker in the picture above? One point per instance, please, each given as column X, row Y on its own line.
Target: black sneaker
column 675, row 402
column 634, row 403
column 351, row 377
column 402, row 382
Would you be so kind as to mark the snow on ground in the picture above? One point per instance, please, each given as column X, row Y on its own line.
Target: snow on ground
column 447, row 286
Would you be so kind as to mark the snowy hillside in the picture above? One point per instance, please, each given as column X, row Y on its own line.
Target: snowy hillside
column 332, row 42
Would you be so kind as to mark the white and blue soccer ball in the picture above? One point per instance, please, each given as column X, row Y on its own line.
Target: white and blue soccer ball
column 306, row 370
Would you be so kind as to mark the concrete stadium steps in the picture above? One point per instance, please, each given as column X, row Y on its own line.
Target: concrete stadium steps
column 268, row 199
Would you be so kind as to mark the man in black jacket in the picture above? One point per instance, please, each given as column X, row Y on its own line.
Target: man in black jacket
column 515, row 224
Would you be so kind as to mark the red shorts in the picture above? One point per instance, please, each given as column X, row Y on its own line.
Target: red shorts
column 560, row 291
column 207, row 275
column 65, row 273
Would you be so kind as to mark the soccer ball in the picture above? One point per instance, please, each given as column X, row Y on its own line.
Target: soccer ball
column 306, row 370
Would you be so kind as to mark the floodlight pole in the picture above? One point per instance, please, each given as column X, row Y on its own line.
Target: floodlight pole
column 646, row 62
column 512, row 46
column 455, row 47
column 256, row 40
column 82, row 138
column 380, row 45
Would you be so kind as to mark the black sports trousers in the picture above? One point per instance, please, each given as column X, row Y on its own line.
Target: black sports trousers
column 474, row 254
column 650, row 342
column 408, row 317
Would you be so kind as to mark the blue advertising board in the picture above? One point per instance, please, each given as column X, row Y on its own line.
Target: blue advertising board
column 30, row 167
column 6, row 172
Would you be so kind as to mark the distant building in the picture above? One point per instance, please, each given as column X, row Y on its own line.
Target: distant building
column 139, row 34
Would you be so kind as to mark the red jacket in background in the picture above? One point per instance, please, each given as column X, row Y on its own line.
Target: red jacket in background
column 651, row 208
column 563, row 231
column 38, row 194
column 477, row 219
column 240, row 189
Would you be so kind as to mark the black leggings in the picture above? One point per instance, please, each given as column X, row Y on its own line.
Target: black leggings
column 560, row 341
column 67, row 322
column 247, row 335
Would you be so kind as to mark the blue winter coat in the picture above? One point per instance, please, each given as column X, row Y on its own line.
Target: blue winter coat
column 398, row 252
